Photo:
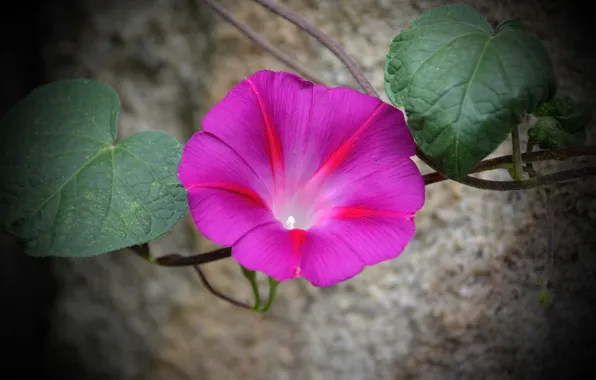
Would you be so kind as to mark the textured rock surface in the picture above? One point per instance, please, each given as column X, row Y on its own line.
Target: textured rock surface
column 460, row 303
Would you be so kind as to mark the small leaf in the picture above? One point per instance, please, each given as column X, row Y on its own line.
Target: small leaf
column 549, row 133
column 544, row 296
column 68, row 189
column 464, row 86
column 573, row 116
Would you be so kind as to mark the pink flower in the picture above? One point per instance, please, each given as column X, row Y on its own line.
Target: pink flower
column 302, row 180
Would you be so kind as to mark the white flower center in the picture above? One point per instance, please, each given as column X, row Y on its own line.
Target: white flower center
column 289, row 224
column 294, row 211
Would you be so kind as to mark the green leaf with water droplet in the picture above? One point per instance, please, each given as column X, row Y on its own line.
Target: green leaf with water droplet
column 69, row 189
column 464, row 85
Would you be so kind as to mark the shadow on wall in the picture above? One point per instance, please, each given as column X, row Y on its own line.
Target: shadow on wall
column 27, row 289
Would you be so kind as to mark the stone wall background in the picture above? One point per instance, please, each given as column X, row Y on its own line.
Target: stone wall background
column 460, row 303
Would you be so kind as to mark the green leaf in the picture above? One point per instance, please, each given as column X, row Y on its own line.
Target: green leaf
column 549, row 133
column 68, row 189
column 464, row 85
column 573, row 116
column 544, row 296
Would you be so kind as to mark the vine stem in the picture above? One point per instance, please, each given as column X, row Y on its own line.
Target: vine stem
column 325, row 40
column 544, row 180
column 517, row 157
column 216, row 292
column 527, row 157
column 261, row 41
column 177, row 260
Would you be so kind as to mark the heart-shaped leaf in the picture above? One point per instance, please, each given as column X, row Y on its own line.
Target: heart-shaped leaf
column 68, row 189
column 464, row 85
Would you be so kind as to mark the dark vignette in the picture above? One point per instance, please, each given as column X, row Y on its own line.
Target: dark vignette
column 28, row 291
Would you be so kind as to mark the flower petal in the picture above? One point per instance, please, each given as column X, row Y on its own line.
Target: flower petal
column 271, row 249
column 376, row 172
column 342, row 249
column 279, row 122
column 258, row 114
column 395, row 186
column 355, row 123
column 225, row 197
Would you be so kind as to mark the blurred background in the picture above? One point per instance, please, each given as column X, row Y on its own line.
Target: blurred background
column 462, row 302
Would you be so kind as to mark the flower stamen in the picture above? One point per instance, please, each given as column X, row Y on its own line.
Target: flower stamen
column 289, row 224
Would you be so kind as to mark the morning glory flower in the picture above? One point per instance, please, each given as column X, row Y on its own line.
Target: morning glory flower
column 303, row 180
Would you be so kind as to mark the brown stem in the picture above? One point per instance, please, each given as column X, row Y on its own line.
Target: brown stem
column 543, row 155
column 177, row 260
column 261, row 41
column 548, row 179
column 529, row 157
column 216, row 292
column 324, row 39
column 544, row 180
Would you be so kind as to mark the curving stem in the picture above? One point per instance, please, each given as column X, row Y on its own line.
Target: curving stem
column 324, row 39
column 261, row 41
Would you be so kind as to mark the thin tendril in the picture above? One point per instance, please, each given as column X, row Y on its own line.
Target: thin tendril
column 216, row 292
column 176, row 260
column 325, row 40
column 261, row 41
